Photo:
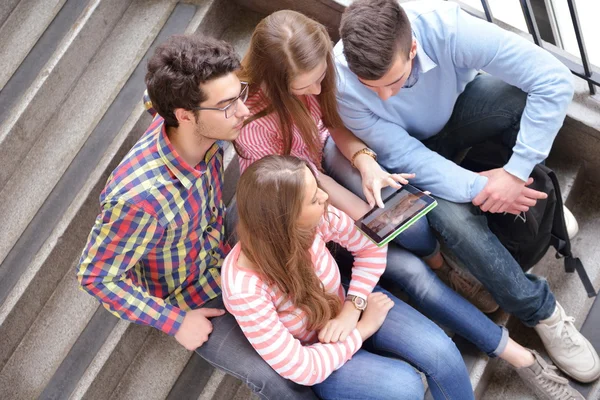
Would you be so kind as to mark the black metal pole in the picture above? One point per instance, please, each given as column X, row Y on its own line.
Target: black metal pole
column 582, row 50
column 530, row 21
column 487, row 10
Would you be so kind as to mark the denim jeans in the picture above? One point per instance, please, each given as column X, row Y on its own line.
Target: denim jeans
column 488, row 109
column 383, row 367
column 229, row 350
column 418, row 238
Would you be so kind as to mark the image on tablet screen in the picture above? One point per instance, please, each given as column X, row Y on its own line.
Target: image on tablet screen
column 398, row 210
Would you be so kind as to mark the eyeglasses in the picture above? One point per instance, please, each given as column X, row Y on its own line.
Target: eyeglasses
column 231, row 108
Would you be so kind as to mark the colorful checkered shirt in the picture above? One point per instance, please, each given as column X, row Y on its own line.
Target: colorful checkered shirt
column 157, row 246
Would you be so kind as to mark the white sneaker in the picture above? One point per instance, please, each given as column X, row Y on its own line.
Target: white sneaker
column 568, row 348
column 571, row 222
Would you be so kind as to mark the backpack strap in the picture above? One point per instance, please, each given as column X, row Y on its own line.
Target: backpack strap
column 563, row 245
column 573, row 264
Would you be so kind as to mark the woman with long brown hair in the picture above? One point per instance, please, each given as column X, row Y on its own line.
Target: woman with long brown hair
column 285, row 290
column 292, row 83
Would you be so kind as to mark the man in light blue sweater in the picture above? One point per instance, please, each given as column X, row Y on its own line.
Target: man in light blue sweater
column 410, row 87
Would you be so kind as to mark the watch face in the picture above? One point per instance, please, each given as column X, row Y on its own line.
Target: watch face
column 360, row 302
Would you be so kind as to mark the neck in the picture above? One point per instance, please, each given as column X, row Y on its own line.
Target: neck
column 191, row 147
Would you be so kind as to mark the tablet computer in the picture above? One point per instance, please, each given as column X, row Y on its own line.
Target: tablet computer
column 401, row 209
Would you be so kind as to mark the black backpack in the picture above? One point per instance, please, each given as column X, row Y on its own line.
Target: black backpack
column 528, row 236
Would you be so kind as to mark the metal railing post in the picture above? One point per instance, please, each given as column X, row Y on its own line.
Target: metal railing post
column 530, row 21
column 487, row 10
column 581, row 44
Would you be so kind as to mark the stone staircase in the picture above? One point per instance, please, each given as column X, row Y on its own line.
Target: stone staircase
column 70, row 108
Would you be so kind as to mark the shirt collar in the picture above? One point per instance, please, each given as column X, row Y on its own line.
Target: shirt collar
column 421, row 64
column 178, row 167
column 425, row 63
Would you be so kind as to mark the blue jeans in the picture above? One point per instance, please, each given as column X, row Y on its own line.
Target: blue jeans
column 383, row 367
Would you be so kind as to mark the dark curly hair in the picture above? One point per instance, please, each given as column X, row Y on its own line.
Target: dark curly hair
column 178, row 67
column 373, row 32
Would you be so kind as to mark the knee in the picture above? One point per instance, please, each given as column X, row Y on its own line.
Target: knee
column 443, row 356
column 408, row 271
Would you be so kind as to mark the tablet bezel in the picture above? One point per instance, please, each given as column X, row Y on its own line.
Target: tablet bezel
column 380, row 241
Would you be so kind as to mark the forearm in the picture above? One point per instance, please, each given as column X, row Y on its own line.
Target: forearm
column 343, row 199
column 349, row 145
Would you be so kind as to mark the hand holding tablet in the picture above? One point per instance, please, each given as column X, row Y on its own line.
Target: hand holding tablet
column 401, row 210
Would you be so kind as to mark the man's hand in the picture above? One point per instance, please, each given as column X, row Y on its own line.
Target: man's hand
column 338, row 328
column 374, row 178
column 506, row 193
column 196, row 327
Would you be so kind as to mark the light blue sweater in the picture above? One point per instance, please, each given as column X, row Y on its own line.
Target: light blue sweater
column 452, row 47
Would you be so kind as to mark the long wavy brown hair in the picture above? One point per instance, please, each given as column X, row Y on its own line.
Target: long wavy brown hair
column 284, row 45
column 270, row 194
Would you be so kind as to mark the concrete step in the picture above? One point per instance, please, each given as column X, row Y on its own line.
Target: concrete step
column 22, row 28
column 111, row 361
column 6, row 7
column 154, row 371
column 73, row 12
column 47, row 341
column 39, row 260
column 570, row 174
column 40, row 85
column 69, row 129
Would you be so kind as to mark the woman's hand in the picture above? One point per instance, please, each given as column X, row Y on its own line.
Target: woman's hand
column 378, row 306
column 338, row 328
column 374, row 178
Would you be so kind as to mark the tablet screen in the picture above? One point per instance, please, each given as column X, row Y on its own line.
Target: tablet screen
column 399, row 208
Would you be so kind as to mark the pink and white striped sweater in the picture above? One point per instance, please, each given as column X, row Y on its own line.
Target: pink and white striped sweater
column 277, row 329
column 262, row 137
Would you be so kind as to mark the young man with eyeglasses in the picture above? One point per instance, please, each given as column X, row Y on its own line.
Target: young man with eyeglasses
column 154, row 254
column 411, row 88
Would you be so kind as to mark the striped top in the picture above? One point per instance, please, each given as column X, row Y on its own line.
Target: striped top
column 157, row 245
column 262, row 137
column 277, row 329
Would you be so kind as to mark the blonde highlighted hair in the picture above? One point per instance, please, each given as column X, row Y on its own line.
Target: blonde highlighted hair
column 270, row 196
column 284, row 45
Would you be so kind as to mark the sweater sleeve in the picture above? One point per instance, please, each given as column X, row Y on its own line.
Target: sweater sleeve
column 369, row 260
column 548, row 83
column 305, row 365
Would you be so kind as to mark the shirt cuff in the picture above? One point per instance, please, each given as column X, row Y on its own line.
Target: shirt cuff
column 520, row 166
column 354, row 291
column 478, row 185
column 170, row 320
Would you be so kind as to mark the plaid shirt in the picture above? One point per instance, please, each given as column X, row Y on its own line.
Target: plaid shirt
column 157, row 246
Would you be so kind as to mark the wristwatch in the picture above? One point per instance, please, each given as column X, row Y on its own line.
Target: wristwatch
column 366, row 151
column 359, row 302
